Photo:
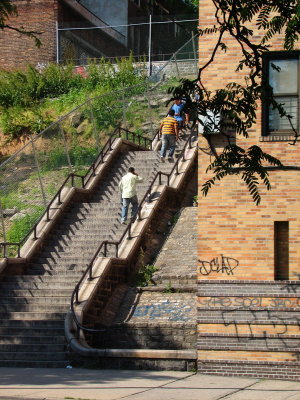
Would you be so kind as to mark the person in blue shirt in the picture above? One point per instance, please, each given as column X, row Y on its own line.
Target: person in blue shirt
column 178, row 107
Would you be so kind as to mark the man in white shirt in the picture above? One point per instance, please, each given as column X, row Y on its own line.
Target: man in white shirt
column 127, row 187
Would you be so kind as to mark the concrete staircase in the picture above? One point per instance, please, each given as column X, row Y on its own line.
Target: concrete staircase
column 33, row 305
column 162, row 315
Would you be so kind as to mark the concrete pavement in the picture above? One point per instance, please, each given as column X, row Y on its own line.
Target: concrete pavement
column 84, row 384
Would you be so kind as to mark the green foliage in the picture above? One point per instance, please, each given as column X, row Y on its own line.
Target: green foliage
column 31, row 100
column 82, row 155
column 100, row 74
column 145, row 274
column 169, row 288
column 18, row 122
column 79, row 156
column 21, row 227
column 11, row 200
column 22, row 88
column 55, row 159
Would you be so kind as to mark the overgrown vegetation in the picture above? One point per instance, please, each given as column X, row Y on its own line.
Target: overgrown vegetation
column 31, row 100
column 144, row 275
column 21, row 227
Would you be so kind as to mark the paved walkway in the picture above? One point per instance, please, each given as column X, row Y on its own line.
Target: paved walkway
column 83, row 384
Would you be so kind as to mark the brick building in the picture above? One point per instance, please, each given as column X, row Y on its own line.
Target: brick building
column 249, row 256
column 18, row 50
column 76, row 30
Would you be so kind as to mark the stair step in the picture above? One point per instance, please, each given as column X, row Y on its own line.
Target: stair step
column 38, row 300
column 33, row 308
column 42, row 323
column 40, row 279
column 24, row 286
column 32, row 364
column 15, row 315
column 36, row 293
column 38, row 333
column 33, row 355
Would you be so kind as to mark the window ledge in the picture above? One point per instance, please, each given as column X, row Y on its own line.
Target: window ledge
column 277, row 138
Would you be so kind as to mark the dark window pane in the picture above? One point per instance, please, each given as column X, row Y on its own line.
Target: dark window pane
column 290, row 104
column 285, row 80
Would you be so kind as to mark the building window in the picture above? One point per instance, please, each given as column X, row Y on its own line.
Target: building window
column 281, row 250
column 283, row 76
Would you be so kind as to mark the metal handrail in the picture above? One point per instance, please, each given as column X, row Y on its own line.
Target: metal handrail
column 127, row 232
column 90, row 173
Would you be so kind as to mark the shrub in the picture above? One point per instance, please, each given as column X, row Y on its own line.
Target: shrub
column 79, row 156
column 17, row 122
column 21, row 227
column 145, row 274
column 82, row 155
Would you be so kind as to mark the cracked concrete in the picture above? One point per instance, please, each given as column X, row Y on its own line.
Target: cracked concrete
column 84, row 384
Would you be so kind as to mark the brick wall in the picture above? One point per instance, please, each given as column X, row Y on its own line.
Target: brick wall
column 18, row 50
column 236, row 243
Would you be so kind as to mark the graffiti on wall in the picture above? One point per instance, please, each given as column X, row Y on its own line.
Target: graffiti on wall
column 253, row 318
column 248, row 302
column 219, row 265
column 171, row 311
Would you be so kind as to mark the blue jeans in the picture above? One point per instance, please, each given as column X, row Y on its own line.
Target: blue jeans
column 125, row 205
column 168, row 141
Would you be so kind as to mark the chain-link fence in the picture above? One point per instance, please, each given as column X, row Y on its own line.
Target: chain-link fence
column 154, row 39
column 31, row 178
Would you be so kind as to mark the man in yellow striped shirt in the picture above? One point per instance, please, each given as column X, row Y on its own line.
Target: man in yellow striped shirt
column 169, row 131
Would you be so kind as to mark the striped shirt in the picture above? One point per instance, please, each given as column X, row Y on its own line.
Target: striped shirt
column 168, row 125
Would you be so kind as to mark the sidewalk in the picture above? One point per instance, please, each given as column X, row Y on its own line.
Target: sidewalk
column 83, row 384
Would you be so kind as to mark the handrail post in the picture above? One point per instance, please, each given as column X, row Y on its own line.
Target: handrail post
column 47, row 214
column 149, row 195
column 129, row 231
column 19, row 250
column 76, row 295
column 159, row 178
column 34, row 232
column 117, row 250
column 177, row 170
column 59, row 199
column 90, row 273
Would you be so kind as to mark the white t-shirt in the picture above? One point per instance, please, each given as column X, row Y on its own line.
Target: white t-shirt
column 127, row 185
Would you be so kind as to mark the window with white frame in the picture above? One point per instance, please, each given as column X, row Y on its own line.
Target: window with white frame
column 283, row 76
